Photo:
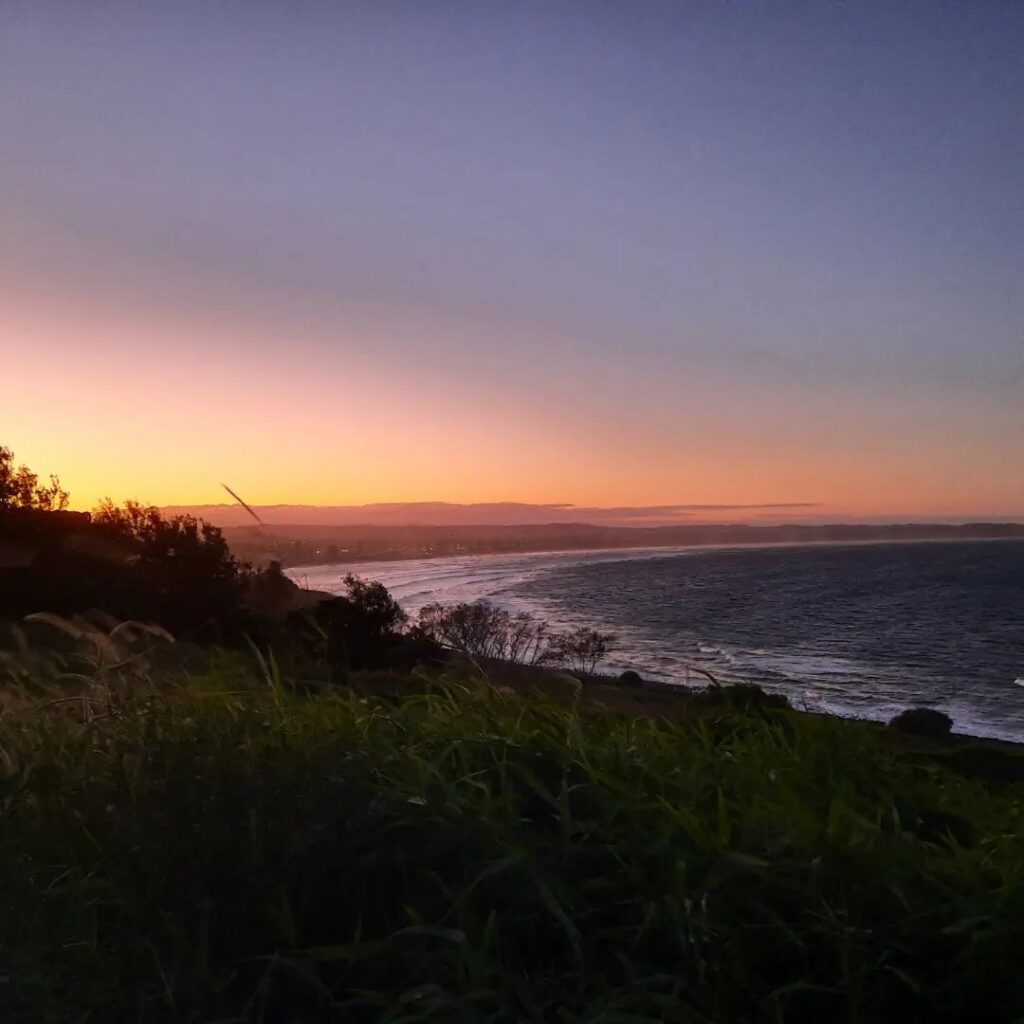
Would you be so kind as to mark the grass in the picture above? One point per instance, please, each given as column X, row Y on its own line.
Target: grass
column 216, row 848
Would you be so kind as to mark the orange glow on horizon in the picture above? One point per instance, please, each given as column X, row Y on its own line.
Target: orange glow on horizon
column 136, row 412
column 330, row 265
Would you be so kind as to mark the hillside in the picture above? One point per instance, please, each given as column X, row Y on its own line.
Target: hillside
column 218, row 846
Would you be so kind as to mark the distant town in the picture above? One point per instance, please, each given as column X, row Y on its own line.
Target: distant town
column 324, row 545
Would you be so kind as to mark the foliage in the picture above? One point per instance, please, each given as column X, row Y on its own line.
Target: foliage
column 740, row 696
column 581, row 650
column 630, row 678
column 270, row 593
column 354, row 630
column 922, row 722
column 460, row 856
column 92, row 660
column 375, row 605
column 483, row 630
column 129, row 560
column 180, row 547
column 21, row 490
column 180, row 571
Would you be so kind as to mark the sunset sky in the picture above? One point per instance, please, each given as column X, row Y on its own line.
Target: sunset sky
column 602, row 253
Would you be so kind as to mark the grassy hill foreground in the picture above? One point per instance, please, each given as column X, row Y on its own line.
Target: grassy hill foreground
column 212, row 845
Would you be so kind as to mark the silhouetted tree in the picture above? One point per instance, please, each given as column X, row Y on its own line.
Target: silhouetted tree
column 358, row 629
column 582, row 650
column 181, row 569
column 20, row 488
column 479, row 629
column 482, row 630
column 375, row 605
column 128, row 560
column 188, row 545
column 529, row 639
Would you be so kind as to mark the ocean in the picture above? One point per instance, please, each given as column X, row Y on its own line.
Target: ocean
column 859, row 630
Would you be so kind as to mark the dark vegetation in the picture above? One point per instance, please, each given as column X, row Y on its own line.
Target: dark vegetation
column 482, row 631
column 922, row 722
column 333, row 814
column 129, row 561
column 215, row 845
column 132, row 563
column 745, row 697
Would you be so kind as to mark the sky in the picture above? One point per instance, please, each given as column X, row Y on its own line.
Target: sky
column 599, row 253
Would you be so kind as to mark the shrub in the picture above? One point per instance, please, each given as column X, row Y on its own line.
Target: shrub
column 129, row 560
column 181, row 572
column 482, row 630
column 744, row 697
column 631, row 678
column 354, row 630
column 922, row 722
column 581, row 651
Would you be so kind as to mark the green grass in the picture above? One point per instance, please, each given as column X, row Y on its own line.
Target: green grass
column 203, row 854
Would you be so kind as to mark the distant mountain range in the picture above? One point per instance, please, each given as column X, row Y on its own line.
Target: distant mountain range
column 500, row 513
column 439, row 513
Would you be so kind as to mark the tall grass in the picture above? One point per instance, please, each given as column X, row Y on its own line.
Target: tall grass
column 462, row 856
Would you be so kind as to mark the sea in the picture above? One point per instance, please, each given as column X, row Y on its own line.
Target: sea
column 858, row 630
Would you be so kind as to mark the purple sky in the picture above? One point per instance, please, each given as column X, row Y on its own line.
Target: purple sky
column 620, row 246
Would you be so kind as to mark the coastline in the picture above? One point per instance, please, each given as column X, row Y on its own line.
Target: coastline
column 306, row 545
column 666, row 548
column 671, row 649
column 676, row 701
